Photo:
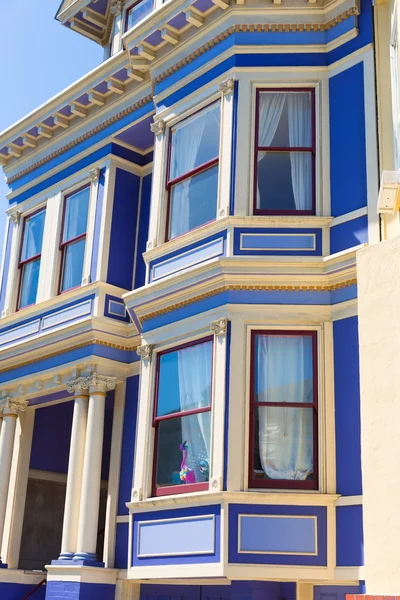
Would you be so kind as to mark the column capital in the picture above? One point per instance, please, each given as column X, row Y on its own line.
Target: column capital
column 12, row 406
column 91, row 384
column 227, row 86
column 94, row 174
column 158, row 127
column 145, row 351
column 15, row 217
column 116, row 7
column 219, row 327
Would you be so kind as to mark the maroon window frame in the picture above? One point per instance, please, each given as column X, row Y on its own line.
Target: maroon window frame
column 184, row 488
column 311, row 484
column 64, row 244
column 128, row 10
column 171, row 182
column 276, row 149
column 23, row 263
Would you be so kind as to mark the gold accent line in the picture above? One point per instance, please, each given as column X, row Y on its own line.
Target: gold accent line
column 77, row 347
column 123, row 113
column 10, row 416
column 265, row 27
column 253, row 288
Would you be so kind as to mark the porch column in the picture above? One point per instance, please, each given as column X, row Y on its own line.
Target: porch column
column 10, row 407
column 91, row 478
column 75, row 470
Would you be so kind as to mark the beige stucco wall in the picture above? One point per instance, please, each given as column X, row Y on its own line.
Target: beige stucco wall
column 379, row 329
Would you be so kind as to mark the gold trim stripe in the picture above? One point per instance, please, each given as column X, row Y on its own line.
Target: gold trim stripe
column 82, row 138
column 265, row 27
column 252, row 288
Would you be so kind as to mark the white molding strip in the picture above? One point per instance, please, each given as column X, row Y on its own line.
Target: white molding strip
column 350, row 216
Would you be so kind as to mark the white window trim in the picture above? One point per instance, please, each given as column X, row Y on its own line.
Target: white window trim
column 395, row 79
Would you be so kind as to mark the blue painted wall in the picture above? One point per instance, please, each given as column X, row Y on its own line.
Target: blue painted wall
column 51, row 437
column 128, row 443
column 121, row 546
column 238, row 590
column 347, row 407
column 16, row 591
column 74, row 590
column 349, row 234
column 347, row 141
column 123, row 229
column 335, row 592
column 349, row 536
column 140, row 271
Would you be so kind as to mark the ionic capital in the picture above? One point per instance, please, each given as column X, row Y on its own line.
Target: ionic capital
column 94, row 174
column 116, row 7
column 12, row 406
column 91, row 384
column 219, row 327
column 15, row 217
column 158, row 127
column 227, row 86
column 145, row 351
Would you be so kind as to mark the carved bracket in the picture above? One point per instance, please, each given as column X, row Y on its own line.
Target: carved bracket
column 15, row 217
column 227, row 86
column 219, row 327
column 94, row 174
column 145, row 351
column 158, row 127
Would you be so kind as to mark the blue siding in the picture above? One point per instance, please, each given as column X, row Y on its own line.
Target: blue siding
column 140, row 272
column 335, row 592
column 16, row 591
column 347, row 407
column 52, row 437
column 128, row 443
column 74, row 590
column 121, row 546
column 123, row 230
column 349, row 536
column 347, row 141
column 169, row 592
column 349, row 234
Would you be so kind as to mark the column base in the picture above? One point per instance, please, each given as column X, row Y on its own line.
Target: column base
column 66, row 556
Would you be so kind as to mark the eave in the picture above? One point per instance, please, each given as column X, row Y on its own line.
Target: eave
column 90, row 18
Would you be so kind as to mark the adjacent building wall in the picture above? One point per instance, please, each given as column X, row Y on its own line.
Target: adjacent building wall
column 379, row 331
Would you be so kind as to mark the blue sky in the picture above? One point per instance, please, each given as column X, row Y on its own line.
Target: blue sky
column 40, row 58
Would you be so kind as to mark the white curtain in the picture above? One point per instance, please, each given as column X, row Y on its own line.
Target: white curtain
column 270, row 112
column 186, row 146
column 194, row 368
column 299, row 118
column 33, row 236
column 73, row 217
column 285, row 434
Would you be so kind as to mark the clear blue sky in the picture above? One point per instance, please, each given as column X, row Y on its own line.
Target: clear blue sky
column 40, row 58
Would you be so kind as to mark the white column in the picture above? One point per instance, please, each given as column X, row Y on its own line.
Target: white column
column 7, row 436
column 91, row 478
column 75, row 472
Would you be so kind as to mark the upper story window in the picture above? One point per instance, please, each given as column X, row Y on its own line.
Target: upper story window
column 73, row 238
column 138, row 11
column 284, row 164
column 284, row 410
column 182, row 418
column 192, row 180
column 30, row 256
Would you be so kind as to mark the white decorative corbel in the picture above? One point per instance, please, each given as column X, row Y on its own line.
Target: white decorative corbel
column 136, row 495
column 227, row 86
column 219, row 327
column 158, row 127
column 94, row 174
column 116, row 7
column 15, row 217
column 145, row 351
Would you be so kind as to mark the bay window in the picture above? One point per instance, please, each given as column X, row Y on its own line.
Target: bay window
column 192, row 179
column 30, row 257
column 73, row 238
column 284, row 410
column 284, row 162
column 182, row 418
column 138, row 11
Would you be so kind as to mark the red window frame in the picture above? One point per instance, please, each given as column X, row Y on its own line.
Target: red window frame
column 171, row 182
column 127, row 11
column 190, row 487
column 64, row 245
column 311, row 149
column 23, row 263
column 311, row 484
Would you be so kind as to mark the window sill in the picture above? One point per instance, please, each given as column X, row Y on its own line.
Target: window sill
column 309, row 498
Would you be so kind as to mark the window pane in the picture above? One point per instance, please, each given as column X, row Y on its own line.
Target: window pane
column 185, row 379
column 171, row 460
column 285, row 119
column 195, row 141
column 284, row 368
column 29, row 283
column 139, row 12
column 76, row 213
column 73, row 265
column 33, row 235
column 283, row 443
column 193, row 202
column 284, row 181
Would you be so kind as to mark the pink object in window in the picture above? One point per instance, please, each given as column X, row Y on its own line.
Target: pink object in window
column 186, row 474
